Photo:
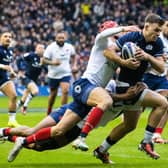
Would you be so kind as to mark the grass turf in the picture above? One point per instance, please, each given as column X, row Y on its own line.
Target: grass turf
column 124, row 153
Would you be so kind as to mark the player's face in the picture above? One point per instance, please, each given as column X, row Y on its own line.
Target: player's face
column 60, row 39
column 40, row 49
column 152, row 31
column 6, row 39
column 165, row 29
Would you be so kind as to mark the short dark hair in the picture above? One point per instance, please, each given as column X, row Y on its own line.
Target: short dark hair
column 154, row 18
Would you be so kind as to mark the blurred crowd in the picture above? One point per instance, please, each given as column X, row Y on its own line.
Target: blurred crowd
column 34, row 21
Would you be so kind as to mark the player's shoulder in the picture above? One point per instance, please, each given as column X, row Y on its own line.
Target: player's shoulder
column 52, row 44
column 135, row 35
column 67, row 44
column 28, row 54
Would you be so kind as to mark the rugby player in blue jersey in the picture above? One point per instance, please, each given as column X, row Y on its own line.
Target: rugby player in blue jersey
column 6, row 71
column 33, row 62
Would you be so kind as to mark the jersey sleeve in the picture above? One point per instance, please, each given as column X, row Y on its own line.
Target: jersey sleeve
column 107, row 33
column 47, row 53
column 26, row 56
column 159, row 48
column 129, row 37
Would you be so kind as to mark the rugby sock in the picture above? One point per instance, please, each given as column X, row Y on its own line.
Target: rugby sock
column 29, row 97
column 12, row 116
column 148, row 134
column 12, row 138
column 6, row 131
column 40, row 135
column 92, row 120
column 106, row 145
column 159, row 130
column 20, row 103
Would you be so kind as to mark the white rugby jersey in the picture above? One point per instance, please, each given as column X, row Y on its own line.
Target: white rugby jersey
column 165, row 44
column 54, row 51
column 100, row 70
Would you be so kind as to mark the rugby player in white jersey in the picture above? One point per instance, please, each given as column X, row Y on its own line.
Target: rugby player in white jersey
column 58, row 56
column 122, row 101
column 89, row 90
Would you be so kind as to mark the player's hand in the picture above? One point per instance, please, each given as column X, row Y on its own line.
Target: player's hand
column 56, row 62
column 132, row 63
column 133, row 91
column 13, row 75
column 131, row 28
column 141, row 54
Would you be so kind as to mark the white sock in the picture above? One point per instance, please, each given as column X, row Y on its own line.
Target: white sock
column 29, row 97
column 105, row 146
column 148, row 137
column 12, row 116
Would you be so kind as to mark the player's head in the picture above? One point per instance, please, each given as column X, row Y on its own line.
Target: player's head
column 61, row 37
column 165, row 29
column 107, row 25
column 5, row 39
column 152, row 27
column 40, row 49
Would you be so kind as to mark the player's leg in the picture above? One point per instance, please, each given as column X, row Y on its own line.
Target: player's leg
column 159, row 106
column 23, row 98
column 33, row 91
column 53, row 85
column 8, row 89
column 128, row 124
column 65, row 84
column 157, row 135
column 26, row 131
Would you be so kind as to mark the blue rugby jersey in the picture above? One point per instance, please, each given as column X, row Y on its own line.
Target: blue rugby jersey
column 153, row 48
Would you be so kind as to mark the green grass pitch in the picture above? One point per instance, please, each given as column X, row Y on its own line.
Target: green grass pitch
column 124, row 153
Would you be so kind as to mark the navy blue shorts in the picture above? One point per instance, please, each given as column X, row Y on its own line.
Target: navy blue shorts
column 54, row 83
column 58, row 113
column 155, row 82
column 2, row 81
column 26, row 81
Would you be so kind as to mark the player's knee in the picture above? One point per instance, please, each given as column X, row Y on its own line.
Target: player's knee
column 65, row 91
column 164, row 104
column 58, row 132
column 35, row 92
column 106, row 103
column 13, row 97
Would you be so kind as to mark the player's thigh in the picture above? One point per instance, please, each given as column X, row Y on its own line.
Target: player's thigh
column 69, row 120
column 153, row 99
column 99, row 95
column 46, row 122
column 163, row 92
column 9, row 89
column 32, row 87
column 65, row 86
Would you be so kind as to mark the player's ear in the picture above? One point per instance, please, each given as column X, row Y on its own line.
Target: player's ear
column 146, row 26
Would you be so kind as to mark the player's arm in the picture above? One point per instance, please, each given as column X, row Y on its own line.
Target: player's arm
column 48, row 59
column 9, row 69
column 50, row 62
column 112, row 31
column 157, row 63
column 111, row 54
column 131, row 93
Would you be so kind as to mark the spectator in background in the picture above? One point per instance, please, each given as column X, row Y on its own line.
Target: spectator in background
column 33, row 21
column 58, row 56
